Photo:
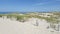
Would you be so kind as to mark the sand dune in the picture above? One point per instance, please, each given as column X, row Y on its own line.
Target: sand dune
column 8, row 26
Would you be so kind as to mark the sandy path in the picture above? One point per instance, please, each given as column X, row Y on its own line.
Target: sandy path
column 8, row 26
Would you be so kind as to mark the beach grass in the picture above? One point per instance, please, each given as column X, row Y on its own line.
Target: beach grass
column 24, row 17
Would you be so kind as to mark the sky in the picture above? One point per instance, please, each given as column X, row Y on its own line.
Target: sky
column 29, row 5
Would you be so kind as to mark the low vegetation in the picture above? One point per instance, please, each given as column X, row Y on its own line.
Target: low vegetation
column 25, row 17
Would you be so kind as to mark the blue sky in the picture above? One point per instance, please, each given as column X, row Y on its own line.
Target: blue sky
column 29, row 5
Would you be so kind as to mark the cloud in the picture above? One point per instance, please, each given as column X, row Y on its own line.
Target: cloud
column 44, row 3
column 40, row 3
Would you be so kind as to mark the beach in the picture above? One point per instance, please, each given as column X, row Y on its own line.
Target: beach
column 8, row 26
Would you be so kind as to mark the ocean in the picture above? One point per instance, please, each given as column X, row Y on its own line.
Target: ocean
column 12, row 12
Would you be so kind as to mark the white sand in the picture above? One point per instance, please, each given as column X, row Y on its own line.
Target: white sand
column 8, row 26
